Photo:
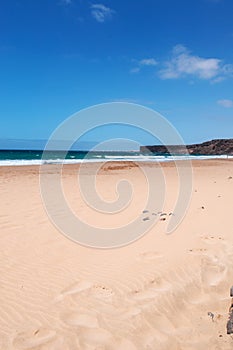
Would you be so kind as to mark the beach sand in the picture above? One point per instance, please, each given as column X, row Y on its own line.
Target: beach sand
column 152, row 294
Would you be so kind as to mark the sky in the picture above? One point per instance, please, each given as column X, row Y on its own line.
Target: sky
column 60, row 56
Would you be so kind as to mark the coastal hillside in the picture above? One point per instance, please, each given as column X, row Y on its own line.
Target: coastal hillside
column 213, row 147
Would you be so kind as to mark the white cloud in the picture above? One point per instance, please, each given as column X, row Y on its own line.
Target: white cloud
column 101, row 12
column 148, row 62
column 183, row 64
column 225, row 103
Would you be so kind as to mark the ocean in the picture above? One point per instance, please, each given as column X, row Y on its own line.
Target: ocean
column 37, row 157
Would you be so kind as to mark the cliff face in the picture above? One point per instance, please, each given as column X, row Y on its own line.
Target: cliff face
column 214, row 147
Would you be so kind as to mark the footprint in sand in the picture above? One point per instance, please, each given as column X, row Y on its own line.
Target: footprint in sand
column 97, row 291
column 150, row 289
column 198, row 251
column 34, row 338
column 159, row 283
column 102, row 292
column 212, row 239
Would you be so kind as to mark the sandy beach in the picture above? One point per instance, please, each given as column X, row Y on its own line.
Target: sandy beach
column 155, row 293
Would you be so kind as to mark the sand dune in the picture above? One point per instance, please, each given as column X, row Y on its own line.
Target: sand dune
column 155, row 293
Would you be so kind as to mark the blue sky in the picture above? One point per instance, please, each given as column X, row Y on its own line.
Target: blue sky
column 59, row 56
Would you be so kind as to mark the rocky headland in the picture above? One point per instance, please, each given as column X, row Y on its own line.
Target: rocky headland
column 213, row 147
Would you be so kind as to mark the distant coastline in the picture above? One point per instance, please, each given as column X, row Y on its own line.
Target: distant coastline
column 213, row 147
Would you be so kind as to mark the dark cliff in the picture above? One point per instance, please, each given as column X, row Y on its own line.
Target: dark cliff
column 213, row 147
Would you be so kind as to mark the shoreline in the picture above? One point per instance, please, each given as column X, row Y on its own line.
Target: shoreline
column 140, row 159
column 169, row 163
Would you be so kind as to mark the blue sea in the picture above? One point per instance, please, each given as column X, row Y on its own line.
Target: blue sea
column 37, row 157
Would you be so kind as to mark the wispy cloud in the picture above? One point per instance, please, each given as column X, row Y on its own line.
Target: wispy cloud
column 225, row 103
column 101, row 13
column 183, row 64
column 148, row 62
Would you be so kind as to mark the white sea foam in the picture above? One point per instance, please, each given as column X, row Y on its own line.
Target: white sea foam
column 138, row 158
